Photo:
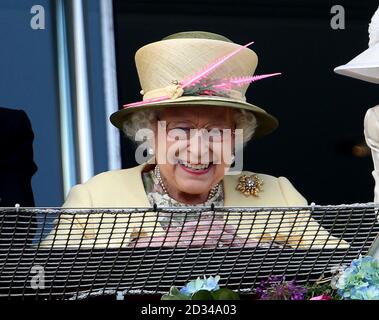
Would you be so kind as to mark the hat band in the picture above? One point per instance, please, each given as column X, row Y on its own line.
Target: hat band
column 175, row 91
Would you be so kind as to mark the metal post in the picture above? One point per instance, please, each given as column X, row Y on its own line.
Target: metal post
column 65, row 106
column 110, row 82
column 83, row 112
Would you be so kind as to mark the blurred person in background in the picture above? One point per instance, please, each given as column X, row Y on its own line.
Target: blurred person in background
column 17, row 168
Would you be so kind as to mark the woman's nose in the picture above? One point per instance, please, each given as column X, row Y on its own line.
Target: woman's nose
column 199, row 147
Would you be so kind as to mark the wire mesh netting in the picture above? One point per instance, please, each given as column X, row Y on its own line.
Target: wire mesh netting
column 50, row 253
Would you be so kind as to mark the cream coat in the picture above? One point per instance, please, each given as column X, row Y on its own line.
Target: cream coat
column 124, row 188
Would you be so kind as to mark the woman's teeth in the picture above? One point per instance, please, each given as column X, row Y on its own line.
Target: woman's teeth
column 194, row 166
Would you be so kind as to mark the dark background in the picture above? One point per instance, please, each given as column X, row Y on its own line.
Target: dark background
column 321, row 113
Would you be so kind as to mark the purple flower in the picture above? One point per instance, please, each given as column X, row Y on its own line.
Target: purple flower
column 275, row 288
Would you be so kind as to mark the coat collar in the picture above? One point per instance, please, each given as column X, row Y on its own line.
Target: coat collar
column 232, row 198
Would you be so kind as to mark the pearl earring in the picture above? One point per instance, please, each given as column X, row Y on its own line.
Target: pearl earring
column 150, row 151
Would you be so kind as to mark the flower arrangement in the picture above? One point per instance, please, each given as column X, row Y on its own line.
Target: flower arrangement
column 275, row 288
column 201, row 289
column 359, row 281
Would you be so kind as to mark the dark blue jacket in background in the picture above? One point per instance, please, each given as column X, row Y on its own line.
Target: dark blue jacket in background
column 16, row 159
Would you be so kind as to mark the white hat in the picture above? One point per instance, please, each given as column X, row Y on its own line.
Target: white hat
column 366, row 65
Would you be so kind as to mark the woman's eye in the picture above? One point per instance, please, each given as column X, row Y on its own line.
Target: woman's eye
column 182, row 130
column 179, row 133
column 179, row 128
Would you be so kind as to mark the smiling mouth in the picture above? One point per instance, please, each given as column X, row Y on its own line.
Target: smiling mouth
column 195, row 168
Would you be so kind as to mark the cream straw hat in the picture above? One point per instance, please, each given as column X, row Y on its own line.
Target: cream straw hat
column 366, row 65
column 165, row 65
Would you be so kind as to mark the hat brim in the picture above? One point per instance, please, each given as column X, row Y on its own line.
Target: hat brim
column 365, row 66
column 266, row 123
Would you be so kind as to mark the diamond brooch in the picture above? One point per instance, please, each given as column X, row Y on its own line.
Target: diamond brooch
column 250, row 185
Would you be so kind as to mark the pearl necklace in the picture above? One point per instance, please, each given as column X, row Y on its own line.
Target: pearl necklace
column 157, row 173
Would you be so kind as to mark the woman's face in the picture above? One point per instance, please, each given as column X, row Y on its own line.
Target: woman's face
column 192, row 162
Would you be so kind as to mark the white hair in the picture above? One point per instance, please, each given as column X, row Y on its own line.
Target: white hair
column 144, row 119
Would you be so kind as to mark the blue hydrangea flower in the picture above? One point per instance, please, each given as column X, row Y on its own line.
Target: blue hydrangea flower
column 209, row 284
column 360, row 281
column 371, row 293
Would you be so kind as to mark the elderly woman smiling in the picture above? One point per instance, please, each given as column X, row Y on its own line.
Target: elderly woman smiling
column 193, row 122
column 196, row 153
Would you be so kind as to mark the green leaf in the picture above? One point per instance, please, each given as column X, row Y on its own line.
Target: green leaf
column 174, row 291
column 225, row 294
column 202, row 295
column 176, row 297
column 319, row 289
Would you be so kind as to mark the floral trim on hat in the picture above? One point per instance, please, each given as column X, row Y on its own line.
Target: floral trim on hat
column 201, row 84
